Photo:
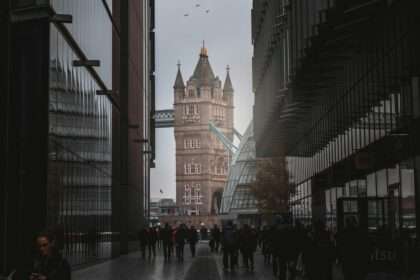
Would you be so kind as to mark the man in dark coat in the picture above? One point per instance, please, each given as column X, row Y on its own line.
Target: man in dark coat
column 215, row 238
column 229, row 246
column 166, row 235
column 248, row 242
column 144, row 241
column 152, row 239
column 180, row 237
column 192, row 239
column 353, row 247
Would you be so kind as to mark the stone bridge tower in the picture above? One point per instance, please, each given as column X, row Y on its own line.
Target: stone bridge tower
column 201, row 159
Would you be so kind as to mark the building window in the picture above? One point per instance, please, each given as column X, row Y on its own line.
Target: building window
column 191, row 109
column 192, row 194
column 192, row 168
column 187, row 194
column 218, row 113
column 191, row 143
column 191, row 93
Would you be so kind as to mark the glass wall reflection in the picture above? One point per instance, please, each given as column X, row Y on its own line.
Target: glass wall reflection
column 79, row 177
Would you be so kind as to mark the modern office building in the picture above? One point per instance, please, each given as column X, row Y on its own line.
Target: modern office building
column 201, row 159
column 238, row 201
column 77, row 136
column 337, row 92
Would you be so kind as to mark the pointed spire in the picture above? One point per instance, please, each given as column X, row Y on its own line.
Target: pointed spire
column 204, row 51
column 228, row 88
column 203, row 72
column 179, row 82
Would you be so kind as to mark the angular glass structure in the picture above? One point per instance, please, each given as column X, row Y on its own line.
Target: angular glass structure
column 237, row 197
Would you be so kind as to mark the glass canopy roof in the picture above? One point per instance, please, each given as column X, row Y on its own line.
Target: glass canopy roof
column 237, row 196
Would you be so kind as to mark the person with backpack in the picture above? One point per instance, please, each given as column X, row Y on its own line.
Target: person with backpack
column 229, row 246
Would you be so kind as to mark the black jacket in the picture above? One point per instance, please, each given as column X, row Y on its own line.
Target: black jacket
column 54, row 268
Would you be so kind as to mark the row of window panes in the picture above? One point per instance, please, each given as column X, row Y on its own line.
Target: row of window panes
column 192, row 168
column 192, row 143
column 192, row 194
column 191, row 109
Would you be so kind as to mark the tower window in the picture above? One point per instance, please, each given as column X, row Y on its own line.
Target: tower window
column 191, row 93
column 198, row 92
column 192, row 143
column 192, row 168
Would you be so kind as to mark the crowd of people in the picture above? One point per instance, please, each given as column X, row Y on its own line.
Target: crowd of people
column 298, row 252
column 172, row 240
column 293, row 251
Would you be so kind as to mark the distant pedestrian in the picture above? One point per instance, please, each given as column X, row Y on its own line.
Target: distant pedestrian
column 143, row 241
column 166, row 235
column 192, row 239
column 248, row 242
column 265, row 244
column 229, row 246
column 215, row 238
column 203, row 233
column 152, row 239
column 180, row 237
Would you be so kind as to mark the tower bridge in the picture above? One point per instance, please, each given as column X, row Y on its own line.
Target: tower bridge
column 202, row 118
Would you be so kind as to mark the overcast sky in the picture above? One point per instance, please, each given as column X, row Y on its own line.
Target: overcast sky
column 226, row 30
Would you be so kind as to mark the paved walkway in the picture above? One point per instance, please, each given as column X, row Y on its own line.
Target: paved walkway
column 205, row 266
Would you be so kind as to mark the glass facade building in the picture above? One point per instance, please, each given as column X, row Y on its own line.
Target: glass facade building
column 78, row 137
column 238, row 201
column 340, row 100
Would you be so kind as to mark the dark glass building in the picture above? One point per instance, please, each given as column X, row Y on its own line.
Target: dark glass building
column 77, row 138
column 337, row 92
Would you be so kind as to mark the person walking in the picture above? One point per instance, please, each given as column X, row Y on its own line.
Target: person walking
column 215, row 238
column 353, row 248
column 265, row 244
column 248, row 242
column 152, row 239
column 229, row 246
column 299, row 242
column 143, row 240
column 192, row 239
column 203, row 232
column 320, row 253
column 280, row 249
column 48, row 264
column 180, row 237
column 166, row 235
